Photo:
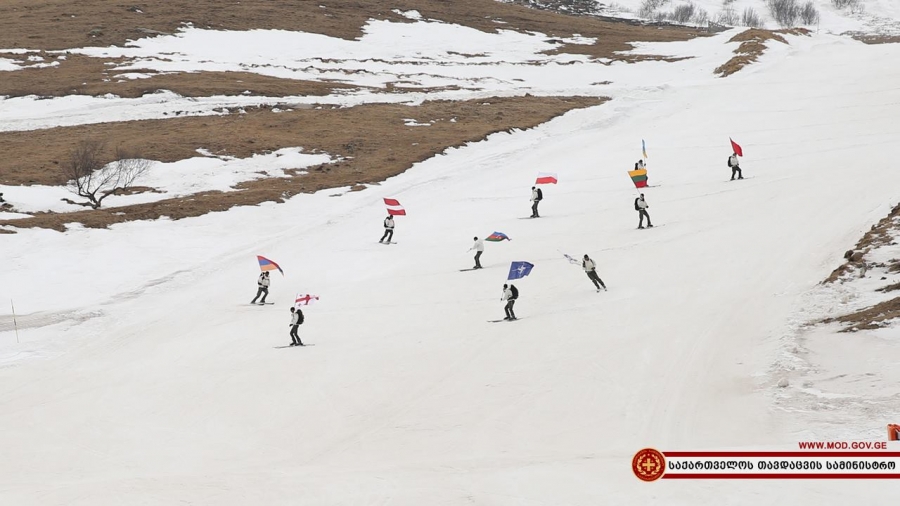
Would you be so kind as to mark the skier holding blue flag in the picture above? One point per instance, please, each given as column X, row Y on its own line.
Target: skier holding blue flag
column 517, row 270
column 510, row 294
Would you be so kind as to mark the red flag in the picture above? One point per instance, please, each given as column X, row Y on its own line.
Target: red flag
column 305, row 300
column 394, row 208
column 546, row 178
column 737, row 149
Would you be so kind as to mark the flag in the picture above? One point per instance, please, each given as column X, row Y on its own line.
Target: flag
column 497, row 237
column 305, row 299
column 546, row 178
column 638, row 177
column 644, row 149
column 394, row 208
column 267, row 265
column 571, row 259
column 736, row 148
column 519, row 270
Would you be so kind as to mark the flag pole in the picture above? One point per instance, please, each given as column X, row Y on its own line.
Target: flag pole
column 15, row 323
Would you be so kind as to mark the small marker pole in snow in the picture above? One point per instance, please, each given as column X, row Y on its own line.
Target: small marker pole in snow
column 15, row 324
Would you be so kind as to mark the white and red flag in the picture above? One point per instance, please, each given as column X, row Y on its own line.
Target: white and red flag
column 546, row 178
column 305, row 299
column 394, row 208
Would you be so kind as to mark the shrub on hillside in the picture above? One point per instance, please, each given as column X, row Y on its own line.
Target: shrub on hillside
column 683, row 13
column 701, row 17
column 854, row 6
column 809, row 14
column 751, row 18
column 649, row 7
column 785, row 12
column 727, row 17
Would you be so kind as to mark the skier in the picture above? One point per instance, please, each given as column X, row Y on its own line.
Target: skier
column 639, row 165
column 735, row 165
column 510, row 294
column 388, row 229
column 1, row 198
column 296, row 321
column 591, row 269
column 536, row 196
column 479, row 249
column 263, row 283
column 640, row 205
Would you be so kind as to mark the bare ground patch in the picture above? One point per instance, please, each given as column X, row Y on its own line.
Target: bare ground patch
column 878, row 235
column 875, row 317
column 858, row 265
column 869, row 38
column 753, row 44
column 372, row 141
column 62, row 24
column 83, row 75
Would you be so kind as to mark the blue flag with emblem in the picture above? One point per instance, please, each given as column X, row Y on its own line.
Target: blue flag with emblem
column 519, row 270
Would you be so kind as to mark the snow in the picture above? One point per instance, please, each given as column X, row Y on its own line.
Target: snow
column 875, row 16
column 6, row 65
column 479, row 64
column 142, row 372
column 184, row 177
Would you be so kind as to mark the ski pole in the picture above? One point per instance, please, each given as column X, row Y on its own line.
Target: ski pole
column 15, row 323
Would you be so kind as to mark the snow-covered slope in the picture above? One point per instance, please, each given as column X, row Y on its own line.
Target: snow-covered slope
column 867, row 16
column 161, row 385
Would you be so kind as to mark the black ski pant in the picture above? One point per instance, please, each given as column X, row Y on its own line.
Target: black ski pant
column 592, row 275
column 294, row 337
column 643, row 214
column 478, row 259
column 509, row 309
column 534, row 212
column 736, row 170
column 264, row 291
column 389, row 233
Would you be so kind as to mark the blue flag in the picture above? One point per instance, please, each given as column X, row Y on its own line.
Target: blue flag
column 519, row 270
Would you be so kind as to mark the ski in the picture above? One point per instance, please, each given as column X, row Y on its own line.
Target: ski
column 261, row 303
column 292, row 346
column 738, row 179
column 529, row 217
column 504, row 320
column 386, row 243
column 472, row 269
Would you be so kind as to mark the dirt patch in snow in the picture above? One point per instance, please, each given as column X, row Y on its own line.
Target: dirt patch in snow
column 875, row 317
column 753, row 44
column 878, row 235
column 859, row 264
column 372, row 143
column 83, row 75
column 869, row 38
column 58, row 24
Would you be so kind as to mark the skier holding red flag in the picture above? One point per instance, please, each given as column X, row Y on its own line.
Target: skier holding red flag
column 734, row 162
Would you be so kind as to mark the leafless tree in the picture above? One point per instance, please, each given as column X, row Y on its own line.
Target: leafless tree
column 751, row 18
column 90, row 178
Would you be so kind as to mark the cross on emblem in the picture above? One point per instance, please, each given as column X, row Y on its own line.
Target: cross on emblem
column 648, row 464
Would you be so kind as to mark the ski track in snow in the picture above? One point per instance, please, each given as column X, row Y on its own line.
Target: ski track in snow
column 174, row 392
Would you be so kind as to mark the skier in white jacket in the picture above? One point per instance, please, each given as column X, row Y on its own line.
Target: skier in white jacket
column 640, row 205
column 479, row 249
column 388, row 229
column 263, row 288
column 735, row 165
column 510, row 294
column 296, row 321
column 590, row 268
column 536, row 196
